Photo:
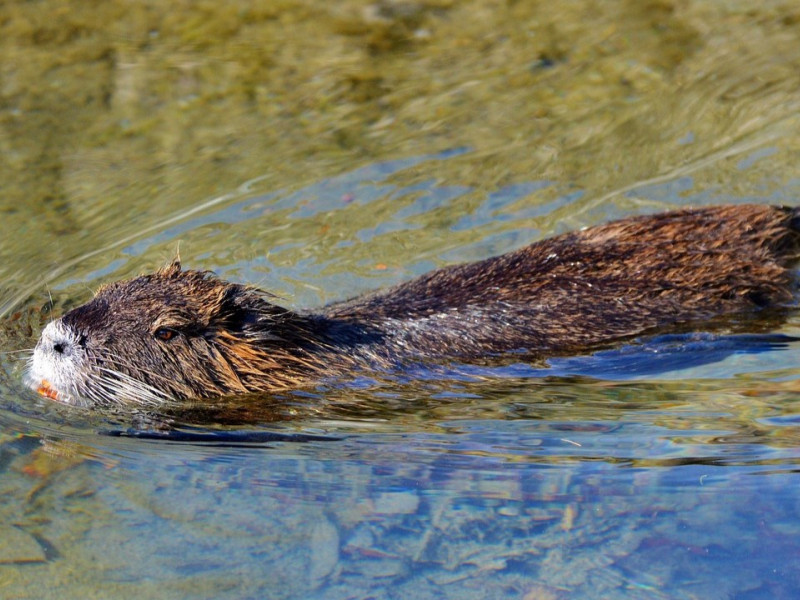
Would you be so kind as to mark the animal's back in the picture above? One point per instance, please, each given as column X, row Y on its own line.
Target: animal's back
column 587, row 287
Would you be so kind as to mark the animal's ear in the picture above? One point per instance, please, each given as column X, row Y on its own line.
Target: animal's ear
column 248, row 310
column 172, row 269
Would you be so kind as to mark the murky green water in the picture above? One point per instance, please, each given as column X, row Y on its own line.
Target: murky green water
column 324, row 149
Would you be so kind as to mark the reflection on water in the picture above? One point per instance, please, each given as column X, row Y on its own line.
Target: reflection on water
column 633, row 491
column 377, row 142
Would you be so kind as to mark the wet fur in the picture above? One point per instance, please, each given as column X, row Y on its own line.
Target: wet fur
column 568, row 293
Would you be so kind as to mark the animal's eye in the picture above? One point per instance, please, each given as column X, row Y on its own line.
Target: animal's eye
column 164, row 334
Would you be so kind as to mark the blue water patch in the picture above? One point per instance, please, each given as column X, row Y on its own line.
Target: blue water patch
column 667, row 192
column 429, row 196
column 667, row 353
column 755, row 156
column 663, row 356
column 492, row 209
column 485, row 508
column 361, row 186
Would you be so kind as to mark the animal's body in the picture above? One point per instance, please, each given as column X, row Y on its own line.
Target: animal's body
column 182, row 334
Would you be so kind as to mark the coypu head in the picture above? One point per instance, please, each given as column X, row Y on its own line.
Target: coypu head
column 171, row 335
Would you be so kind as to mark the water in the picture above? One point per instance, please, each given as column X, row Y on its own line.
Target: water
column 339, row 156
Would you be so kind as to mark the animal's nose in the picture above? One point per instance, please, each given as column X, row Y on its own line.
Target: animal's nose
column 57, row 339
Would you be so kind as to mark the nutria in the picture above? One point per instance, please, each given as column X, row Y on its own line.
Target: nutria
column 179, row 334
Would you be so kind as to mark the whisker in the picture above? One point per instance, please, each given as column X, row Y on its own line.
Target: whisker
column 23, row 351
column 121, row 383
column 103, row 393
column 118, row 360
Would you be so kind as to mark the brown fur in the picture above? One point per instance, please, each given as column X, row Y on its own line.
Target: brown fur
column 568, row 293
